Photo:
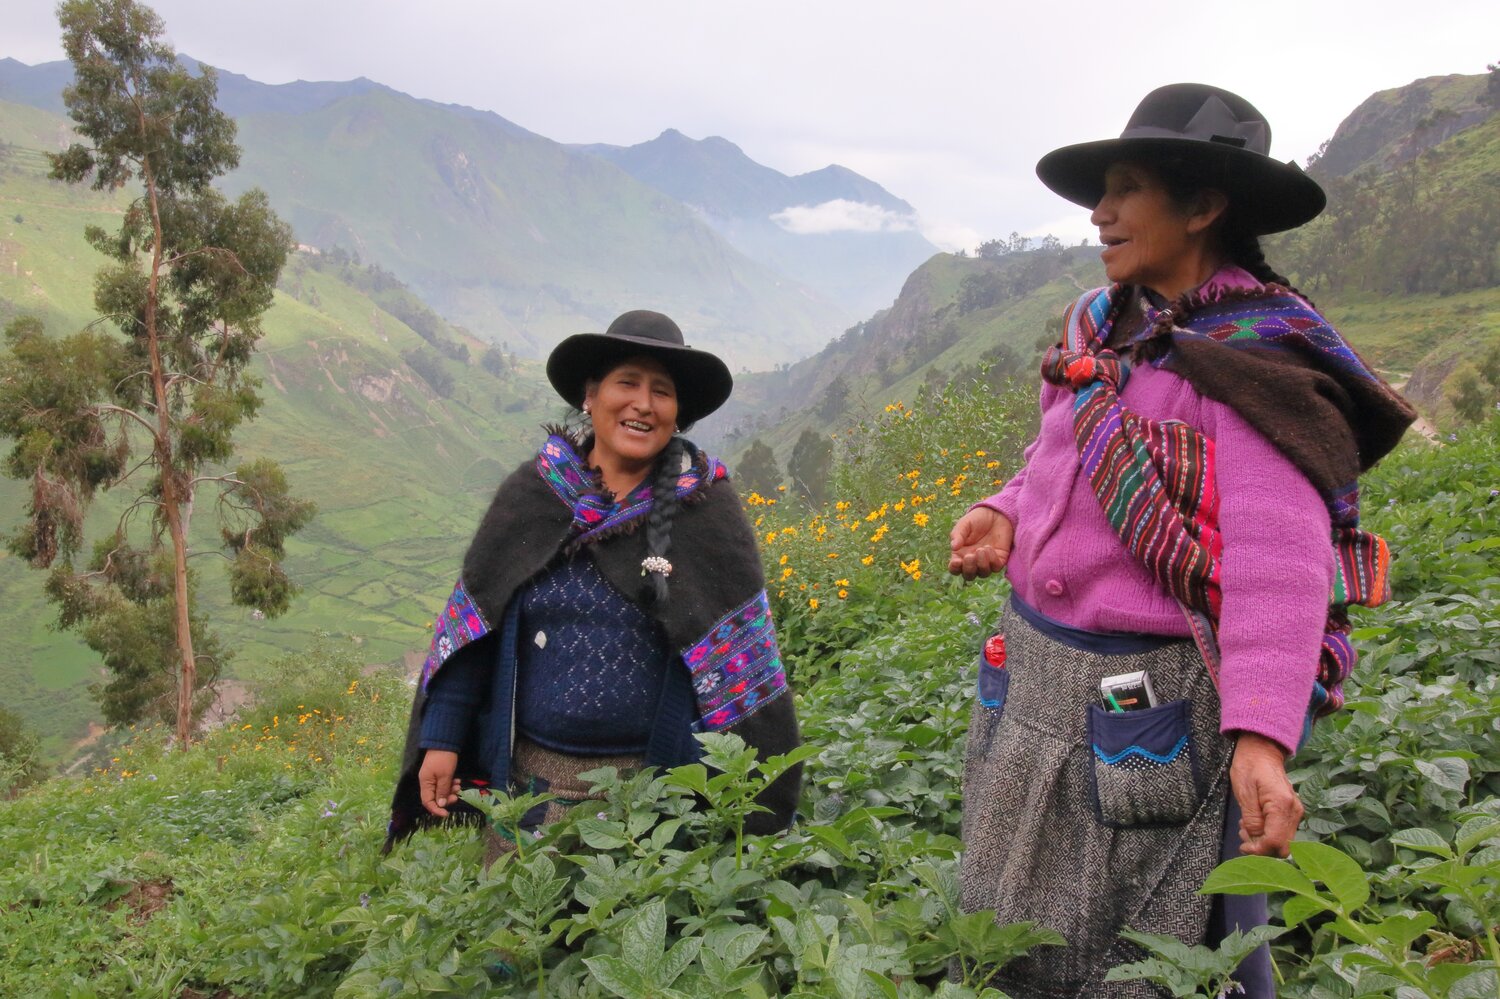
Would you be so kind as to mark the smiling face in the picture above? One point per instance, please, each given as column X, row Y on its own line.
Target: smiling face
column 633, row 408
column 1149, row 237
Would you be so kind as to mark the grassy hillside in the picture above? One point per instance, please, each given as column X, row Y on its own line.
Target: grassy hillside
column 954, row 316
column 398, row 471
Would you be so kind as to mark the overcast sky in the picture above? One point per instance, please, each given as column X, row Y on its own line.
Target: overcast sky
column 947, row 103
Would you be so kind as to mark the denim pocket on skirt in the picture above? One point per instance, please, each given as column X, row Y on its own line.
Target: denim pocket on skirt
column 1142, row 765
column 994, row 681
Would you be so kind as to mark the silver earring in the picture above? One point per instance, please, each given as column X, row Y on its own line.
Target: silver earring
column 676, row 429
column 585, row 409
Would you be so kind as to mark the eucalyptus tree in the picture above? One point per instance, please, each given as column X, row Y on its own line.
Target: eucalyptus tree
column 154, row 404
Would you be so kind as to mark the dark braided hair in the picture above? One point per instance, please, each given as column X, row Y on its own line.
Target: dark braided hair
column 1245, row 251
column 664, row 504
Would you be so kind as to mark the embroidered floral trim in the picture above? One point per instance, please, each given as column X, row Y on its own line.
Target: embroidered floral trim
column 736, row 668
column 459, row 624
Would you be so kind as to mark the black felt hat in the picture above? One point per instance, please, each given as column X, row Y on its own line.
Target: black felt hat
column 703, row 381
column 1219, row 135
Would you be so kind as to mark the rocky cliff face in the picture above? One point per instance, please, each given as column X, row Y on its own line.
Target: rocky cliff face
column 1395, row 126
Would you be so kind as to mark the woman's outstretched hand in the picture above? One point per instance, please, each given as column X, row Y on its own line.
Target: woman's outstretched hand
column 980, row 543
column 1271, row 810
column 436, row 781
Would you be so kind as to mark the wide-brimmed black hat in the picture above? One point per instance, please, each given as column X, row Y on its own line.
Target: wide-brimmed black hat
column 703, row 381
column 1220, row 135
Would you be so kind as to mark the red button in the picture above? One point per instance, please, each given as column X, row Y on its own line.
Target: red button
column 1054, row 587
column 994, row 651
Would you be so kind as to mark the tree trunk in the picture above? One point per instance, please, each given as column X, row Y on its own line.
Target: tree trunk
column 175, row 496
column 188, row 677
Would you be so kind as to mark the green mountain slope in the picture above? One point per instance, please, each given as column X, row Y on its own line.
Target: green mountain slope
column 400, row 471
column 517, row 237
column 956, row 317
column 513, row 235
column 1409, row 247
column 1395, row 126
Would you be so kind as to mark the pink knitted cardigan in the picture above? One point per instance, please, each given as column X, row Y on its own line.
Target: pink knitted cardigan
column 1068, row 563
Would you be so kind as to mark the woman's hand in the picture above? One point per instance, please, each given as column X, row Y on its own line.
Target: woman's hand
column 1271, row 810
column 436, row 782
column 981, row 542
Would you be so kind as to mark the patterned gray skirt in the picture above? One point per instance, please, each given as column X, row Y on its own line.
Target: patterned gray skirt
column 1086, row 820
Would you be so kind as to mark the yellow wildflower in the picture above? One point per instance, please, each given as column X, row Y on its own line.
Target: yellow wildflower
column 843, row 594
column 812, row 602
column 783, row 560
column 841, row 582
column 920, row 519
column 867, row 560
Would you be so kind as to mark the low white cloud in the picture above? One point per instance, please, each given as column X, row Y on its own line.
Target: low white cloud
column 841, row 215
column 949, row 236
column 1070, row 228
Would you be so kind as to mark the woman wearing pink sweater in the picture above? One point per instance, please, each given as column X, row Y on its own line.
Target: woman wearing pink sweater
column 1182, row 543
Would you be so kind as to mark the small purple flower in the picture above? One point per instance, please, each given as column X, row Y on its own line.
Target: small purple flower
column 536, row 834
column 364, row 900
column 329, row 811
column 1453, row 438
column 153, row 776
column 604, row 815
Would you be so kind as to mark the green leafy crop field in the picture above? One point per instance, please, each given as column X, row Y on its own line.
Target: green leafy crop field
column 250, row 865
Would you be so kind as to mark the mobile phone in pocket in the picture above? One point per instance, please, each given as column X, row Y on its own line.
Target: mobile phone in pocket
column 1127, row 691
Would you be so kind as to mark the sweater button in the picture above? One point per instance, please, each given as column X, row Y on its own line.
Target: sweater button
column 1054, row 587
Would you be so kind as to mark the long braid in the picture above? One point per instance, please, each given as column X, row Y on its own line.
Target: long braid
column 664, row 504
column 1246, row 252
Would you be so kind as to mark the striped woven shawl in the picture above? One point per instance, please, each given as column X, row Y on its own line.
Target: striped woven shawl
column 1261, row 353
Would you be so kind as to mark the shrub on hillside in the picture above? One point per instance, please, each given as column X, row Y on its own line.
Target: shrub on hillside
column 20, row 760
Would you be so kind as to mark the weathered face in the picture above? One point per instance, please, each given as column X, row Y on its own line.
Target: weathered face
column 634, row 411
column 1148, row 238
